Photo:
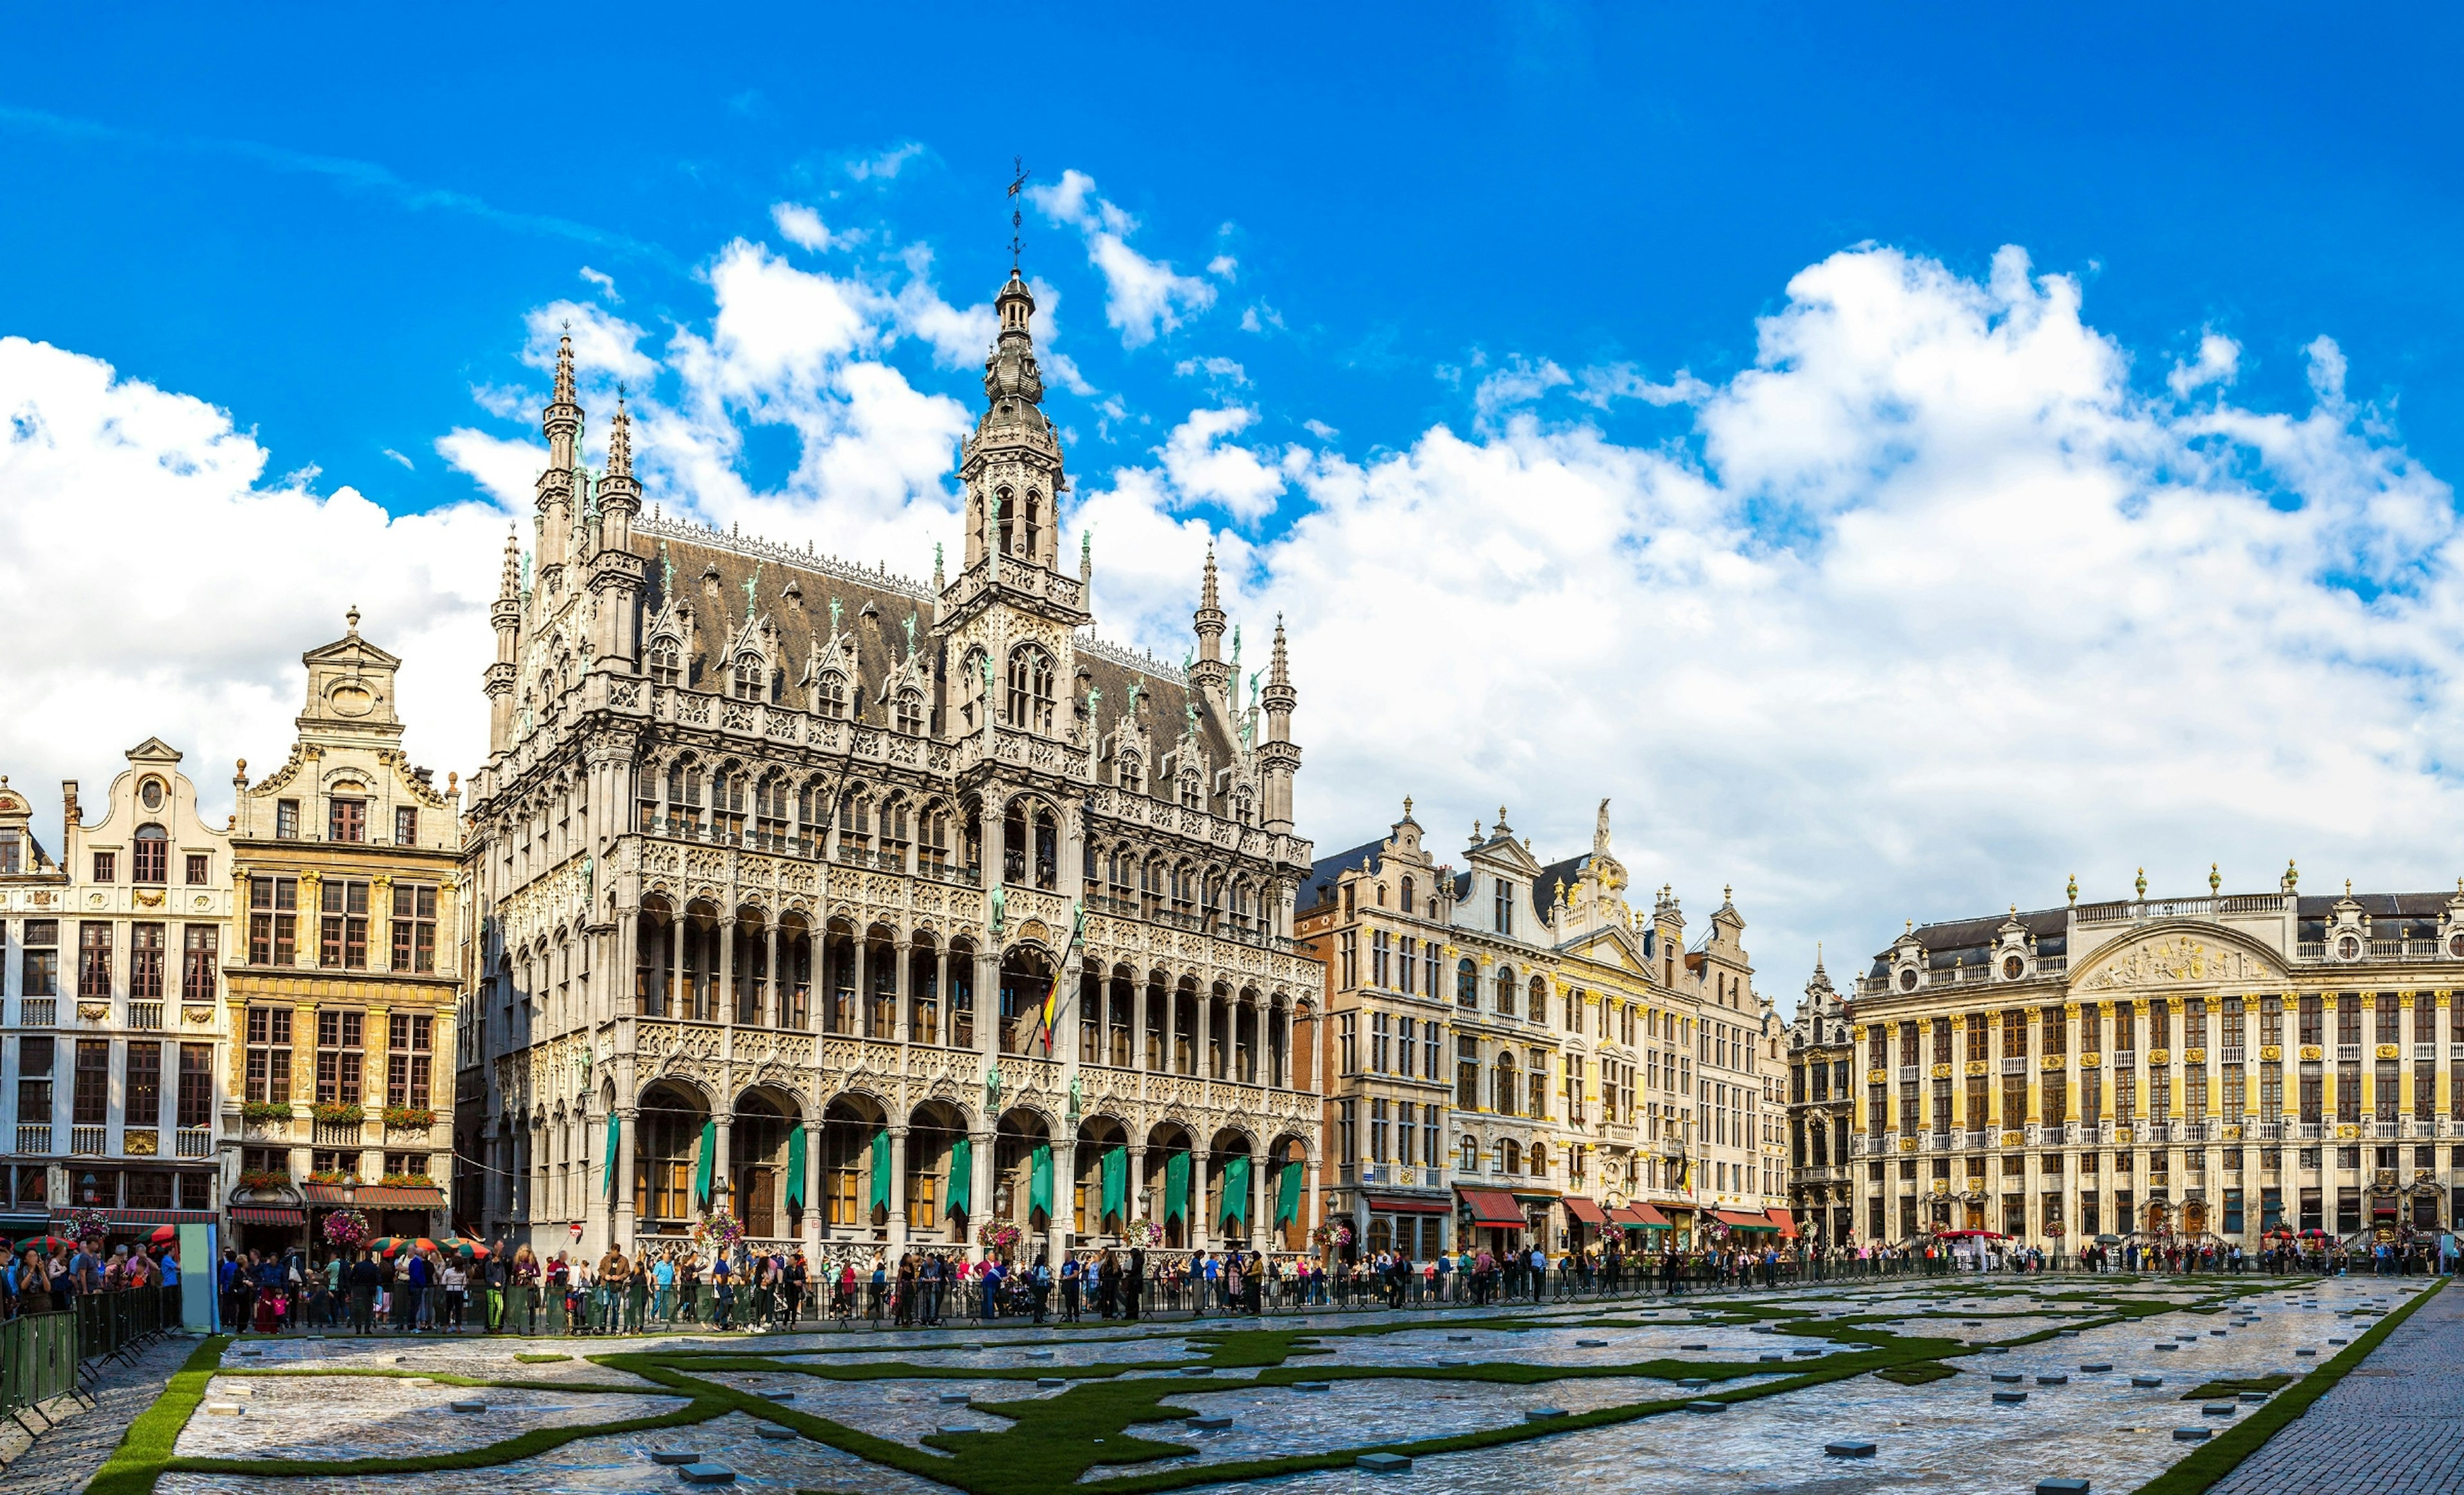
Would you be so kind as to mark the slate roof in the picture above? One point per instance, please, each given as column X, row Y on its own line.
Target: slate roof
column 1319, row 889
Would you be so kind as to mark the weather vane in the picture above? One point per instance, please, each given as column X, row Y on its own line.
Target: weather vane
column 1017, row 186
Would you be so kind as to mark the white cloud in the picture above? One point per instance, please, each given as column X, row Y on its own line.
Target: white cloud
column 399, row 457
column 2219, row 361
column 1603, row 385
column 1222, row 370
column 239, row 576
column 1144, row 297
column 1520, row 382
column 801, row 225
column 603, row 344
column 1223, row 266
column 606, row 282
column 1320, row 430
column 1206, row 467
column 885, row 164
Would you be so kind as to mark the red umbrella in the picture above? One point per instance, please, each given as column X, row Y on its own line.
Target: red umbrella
column 423, row 1243
column 165, row 1234
column 47, row 1244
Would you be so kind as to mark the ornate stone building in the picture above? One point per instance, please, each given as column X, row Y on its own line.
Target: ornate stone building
column 877, row 914
column 1515, row 1056
column 34, row 891
column 116, row 1012
column 342, row 970
column 2210, row 1066
column 1821, row 1055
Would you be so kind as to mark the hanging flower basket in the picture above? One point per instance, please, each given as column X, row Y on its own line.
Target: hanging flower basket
column 1003, row 1237
column 333, row 1114
column 2054, row 1228
column 1330, row 1233
column 263, row 1178
column 717, row 1229
column 409, row 1118
column 1145, row 1233
column 260, row 1112
column 347, row 1230
column 407, row 1181
column 87, row 1224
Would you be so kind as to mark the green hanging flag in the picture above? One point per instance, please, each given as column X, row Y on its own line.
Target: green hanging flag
column 1287, row 1193
column 880, row 1193
column 1236, row 1190
column 1175, row 1187
column 615, row 1129
column 1039, row 1181
column 962, row 1176
column 1116, row 1171
column 796, row 1167
column 704, row 1151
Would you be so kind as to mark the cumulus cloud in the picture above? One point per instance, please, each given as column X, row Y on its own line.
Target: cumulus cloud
column 2218, row 362
column 1144, row 297
column 801, row 226
column 885, row 165
column 1205, row 467
column 224, row 578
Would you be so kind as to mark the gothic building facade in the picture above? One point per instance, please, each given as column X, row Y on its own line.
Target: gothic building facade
column 1821, row 1055
column 873, row 913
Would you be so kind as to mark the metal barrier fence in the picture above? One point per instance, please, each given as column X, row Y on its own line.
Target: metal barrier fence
column 38, row 1360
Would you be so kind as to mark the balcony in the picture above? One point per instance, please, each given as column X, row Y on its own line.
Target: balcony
column 2124, row 1057
column 339, row 1134
column 39, row 1012
column 87, row 1141
column 2014, row 1064
column 2348, row 1053
column 33, row 1137
column 146, row 1016
column 195, row 1142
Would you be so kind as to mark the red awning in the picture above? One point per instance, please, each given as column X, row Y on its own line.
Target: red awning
column 374, row 1196
column 151, row 1216
column 1786, row 1221
column 1493, row 1207
column 1740, row 1219
column 1584, row 1210
column 1639, row 1215
column 1399, row 1204
column 243, row 1215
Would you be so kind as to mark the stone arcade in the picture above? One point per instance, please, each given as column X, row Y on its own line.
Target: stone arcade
column 875, row 913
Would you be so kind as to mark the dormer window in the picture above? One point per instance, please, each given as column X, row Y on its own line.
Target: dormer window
column 830, row 696
column 1189, row 792
column 752, row 678
column 911, row 714
column 1030, row 689
column 1133, row 780
column 666, row 666
column 1504, row 893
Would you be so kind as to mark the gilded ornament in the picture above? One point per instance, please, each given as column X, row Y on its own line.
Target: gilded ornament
column 2388, row 1051
column 2273, row 1053
column 2311, row 1053
column 2091, row 1061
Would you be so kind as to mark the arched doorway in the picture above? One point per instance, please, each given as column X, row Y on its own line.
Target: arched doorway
column 855, row 1160
column 1230, row 1216
column 1025, row 980
column 1022, row 1180
column 1167, row 1183
column 940, row 1173
column 673, row 1133
column 1287, row 1201
column 765, row 1163
column 1101, row 1202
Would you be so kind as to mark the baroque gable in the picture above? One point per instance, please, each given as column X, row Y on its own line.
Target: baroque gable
column 2184, row 955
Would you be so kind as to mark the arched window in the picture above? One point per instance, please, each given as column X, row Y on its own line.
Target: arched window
column 1007, row 520
column 1134, row 778
column 932, row 838
column 1033, row 517
column 1509, row 1156
column 830, row 695
column 684, row 796
column 893, row 832
column 1505, row 991
column 1535, row 1085
column 1189, row 791
column 1466, row 983
column 666, row 666
column 1030, row 689
column 1537, row 1165
column 770, row 812
column 911, row 714
column 1243, row 809
column 727, row 798
column 1537, row 1008
column 1506, row 1085
column 1407, row 893
column 752, row 678
column 855, row 820
column 153, row 859
column 813, row 811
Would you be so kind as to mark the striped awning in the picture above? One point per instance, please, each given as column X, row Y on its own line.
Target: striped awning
column 244, row 1214
column 1639, row 1215
column 147, row 1216
column 1742, row 1220
column 373, row 1195
column 1585, row 1210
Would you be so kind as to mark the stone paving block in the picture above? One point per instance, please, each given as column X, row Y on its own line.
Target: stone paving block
column 2061, row 1486
column 2097, row 1367
column 1211, row 1424
column 1706, row 1407
column 2009, row 1399
column 1384, row 1463
column 2053, row 1380
column 777, row 1434
column 708, row 1474
column 678, row 1457
column 2192, row 1435
column 1853, row 1450
column 1544, row 1414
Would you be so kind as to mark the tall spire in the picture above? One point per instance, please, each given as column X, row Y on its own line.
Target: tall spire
column 509, row 585
column 619, row 442
column 1282, row 757
column 1208, row 670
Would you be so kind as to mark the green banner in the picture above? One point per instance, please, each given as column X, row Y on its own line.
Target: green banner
column 1175, row 1187
column 1114, row 1169
column 1236, row 1190
column 1287, row 1193
column 962, row 1176
column 796, row 1167
column 879, row 1197
column 705, row 1151
column 615, row 1131
column 1039, row 1181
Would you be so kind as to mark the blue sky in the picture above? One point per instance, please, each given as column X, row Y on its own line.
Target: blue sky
column 1724, row 302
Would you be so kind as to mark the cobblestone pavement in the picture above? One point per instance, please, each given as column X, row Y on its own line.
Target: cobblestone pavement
column 64, row 1458
column 2389, row 1428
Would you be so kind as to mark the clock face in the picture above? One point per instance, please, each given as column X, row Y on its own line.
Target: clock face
column 1907, row 980
column 2455, row 942
column 2011, row 967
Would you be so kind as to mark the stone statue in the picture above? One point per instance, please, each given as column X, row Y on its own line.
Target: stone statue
column 1000, row 908
column 750, row 583
column 1075, row 1096
column 590, row 879
column 992, row 1091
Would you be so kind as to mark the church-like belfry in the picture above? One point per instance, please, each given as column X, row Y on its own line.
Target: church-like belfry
column 877, row 914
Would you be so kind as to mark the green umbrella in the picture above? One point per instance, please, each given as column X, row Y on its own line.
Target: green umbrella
column 46, row 1243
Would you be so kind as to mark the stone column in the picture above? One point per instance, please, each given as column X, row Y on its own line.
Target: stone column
column 1312, row 1207
column 721, row 1193
column 773, row 1009
column 988, row 1007
column 1133, row 1211
column 897, row 1191
column 621, row 1189
column 813, row 1184
column 979, row 1208
column 1202, row 1230
column 1064, row 1199
column 678, row 925
column 901, row 1020
column 944, row 1011
column 725, row 998
column 1249, row 1222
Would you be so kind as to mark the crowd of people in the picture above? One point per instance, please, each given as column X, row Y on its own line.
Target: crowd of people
column 48, row 1276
